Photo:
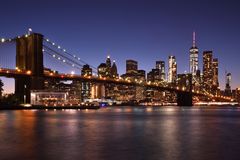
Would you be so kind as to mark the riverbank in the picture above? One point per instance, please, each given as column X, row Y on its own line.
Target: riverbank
column 46, row 107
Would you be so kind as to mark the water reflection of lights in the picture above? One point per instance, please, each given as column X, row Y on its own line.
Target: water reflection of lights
column 149, row 109
column 118, row 110
column 128, row 110
column 169, row 109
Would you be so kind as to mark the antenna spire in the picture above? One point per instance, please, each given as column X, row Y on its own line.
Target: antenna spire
column 194, row 39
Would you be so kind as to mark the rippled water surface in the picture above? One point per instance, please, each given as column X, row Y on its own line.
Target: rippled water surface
column 116, row 133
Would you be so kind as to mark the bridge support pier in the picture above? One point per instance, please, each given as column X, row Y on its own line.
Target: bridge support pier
column 29, row 56
column 184, row 99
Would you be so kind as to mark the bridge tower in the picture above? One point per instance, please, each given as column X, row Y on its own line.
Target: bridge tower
column 29, row 56
column 185, row 98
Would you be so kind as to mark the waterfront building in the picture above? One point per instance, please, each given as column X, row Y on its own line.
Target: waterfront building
column 236, row 95
column 48, row 98
column 97, row 91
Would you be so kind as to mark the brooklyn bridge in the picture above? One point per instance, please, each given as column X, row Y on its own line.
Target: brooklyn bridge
column 30, row 72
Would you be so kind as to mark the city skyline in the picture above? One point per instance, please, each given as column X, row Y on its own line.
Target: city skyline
column 140, row 37
column 200, row 58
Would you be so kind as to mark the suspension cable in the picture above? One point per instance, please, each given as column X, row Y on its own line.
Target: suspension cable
column 67, row 53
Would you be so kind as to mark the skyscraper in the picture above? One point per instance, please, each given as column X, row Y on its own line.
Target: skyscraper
column 160, row 65
column 86, row 70
column 114, row 73
column 194, row 56
column 86, row 86
column 228, row 84
column 172, row 69
column 131, row 66
column 102, row 70
column 153, row 75
column 109, row 65
column 207, row 70
column 215, row 75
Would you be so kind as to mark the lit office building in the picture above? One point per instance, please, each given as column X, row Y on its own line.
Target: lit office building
column 154, row 76
column 216, row 89
column 107, row 70
column 161, row 66
column 102, row 70
column 207, row 70
column 131, row 93
column 184, row 81
column 86, row 70
column 141, row 75
column 172, row 69
column 194, row 57
column 131, row 66
column 86, row 86
column 228, row 90
column 114, row 73
column 140, row 90
column 109, row 66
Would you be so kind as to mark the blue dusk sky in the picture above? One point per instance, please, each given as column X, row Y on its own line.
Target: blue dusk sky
column 143, row 30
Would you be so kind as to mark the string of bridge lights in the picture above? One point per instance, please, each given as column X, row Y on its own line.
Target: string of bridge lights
column 60, row 59
column 60, row 56
column 66, row 52
column 3, row 40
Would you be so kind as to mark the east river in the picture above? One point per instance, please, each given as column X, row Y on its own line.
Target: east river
column 121, row 133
